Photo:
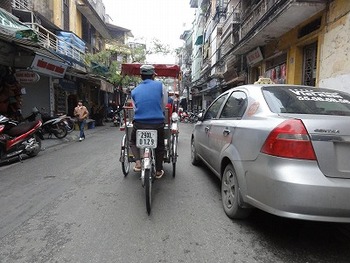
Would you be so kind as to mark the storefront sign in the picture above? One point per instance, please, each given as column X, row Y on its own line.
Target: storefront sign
column 48, row 66
column 26, row 76
column 254, row 56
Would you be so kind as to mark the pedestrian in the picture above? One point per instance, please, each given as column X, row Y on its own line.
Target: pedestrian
column 82, row 114
column 149, row 100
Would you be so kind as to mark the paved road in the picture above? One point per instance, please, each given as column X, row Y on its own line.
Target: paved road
column 71, row 203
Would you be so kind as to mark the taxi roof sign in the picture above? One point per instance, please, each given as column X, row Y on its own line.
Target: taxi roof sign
column 262, row 80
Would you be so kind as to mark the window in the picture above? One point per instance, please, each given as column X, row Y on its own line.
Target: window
column 235, row 105
column 214, row 108
column 301, row 100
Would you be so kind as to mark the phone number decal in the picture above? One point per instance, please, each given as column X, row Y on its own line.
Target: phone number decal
column 310, row 95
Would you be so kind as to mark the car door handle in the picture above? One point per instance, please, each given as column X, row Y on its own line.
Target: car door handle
column 226, row 132
column 207, row 129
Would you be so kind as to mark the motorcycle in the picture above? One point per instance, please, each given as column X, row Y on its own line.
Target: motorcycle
column 51, row 125
column 68, row 121
column 184, row 116
column 117, row 117
column 19, row 138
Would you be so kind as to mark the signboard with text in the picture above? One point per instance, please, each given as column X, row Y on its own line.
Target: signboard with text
column 254, row 56
column 26, row 76
column 48, row 66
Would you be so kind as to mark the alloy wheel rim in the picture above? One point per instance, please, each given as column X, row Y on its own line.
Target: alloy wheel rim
column 229, row 189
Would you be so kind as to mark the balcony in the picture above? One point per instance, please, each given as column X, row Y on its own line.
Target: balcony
column 233, row 20
column 71, row 52
column 93, row 17
column 22, row 4
column 270, row 19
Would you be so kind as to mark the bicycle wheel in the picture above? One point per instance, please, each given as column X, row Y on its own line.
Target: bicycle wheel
column 174, row 152
column 148, row 189
column 124, row 157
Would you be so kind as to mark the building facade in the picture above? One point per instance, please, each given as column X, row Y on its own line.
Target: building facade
column 291, row 41
column 65, row 33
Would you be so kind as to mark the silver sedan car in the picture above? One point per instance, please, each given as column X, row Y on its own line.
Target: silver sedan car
column 284, row 149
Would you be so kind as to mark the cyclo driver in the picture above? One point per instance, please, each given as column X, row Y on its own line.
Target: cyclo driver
column 149, row 99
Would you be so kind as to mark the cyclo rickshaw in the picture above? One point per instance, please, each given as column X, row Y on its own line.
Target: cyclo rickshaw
column 146, row 140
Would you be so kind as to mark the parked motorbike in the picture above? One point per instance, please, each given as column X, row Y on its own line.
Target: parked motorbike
column 51, row 125
column 19, row 138
column 184, row 117
column 117, row 117
column 68, row 121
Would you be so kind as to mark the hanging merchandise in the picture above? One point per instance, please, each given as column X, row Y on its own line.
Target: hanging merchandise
column 10, row 96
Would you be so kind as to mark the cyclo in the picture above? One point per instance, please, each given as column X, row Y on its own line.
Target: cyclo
column 146, row 139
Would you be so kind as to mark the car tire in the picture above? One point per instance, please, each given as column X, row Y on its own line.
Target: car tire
column 230, row 195
column 194, row 157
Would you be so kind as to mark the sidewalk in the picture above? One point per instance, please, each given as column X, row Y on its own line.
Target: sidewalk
column 73, row 136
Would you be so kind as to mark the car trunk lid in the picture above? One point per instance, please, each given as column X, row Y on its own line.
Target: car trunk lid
column 330, row 137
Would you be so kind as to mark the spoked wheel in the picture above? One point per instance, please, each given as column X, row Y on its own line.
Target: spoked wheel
column 60, row 130
column 174, row 153
column 124, row 157
column 148, row 189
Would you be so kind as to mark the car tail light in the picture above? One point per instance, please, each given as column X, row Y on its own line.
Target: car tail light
column 290, row 140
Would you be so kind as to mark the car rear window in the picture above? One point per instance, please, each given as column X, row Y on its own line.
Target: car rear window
column 307, row 100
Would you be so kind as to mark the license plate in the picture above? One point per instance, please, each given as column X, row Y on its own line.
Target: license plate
column 146, row 138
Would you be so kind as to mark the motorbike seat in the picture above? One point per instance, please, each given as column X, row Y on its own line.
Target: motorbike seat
column 46, row 118
column 22, row 128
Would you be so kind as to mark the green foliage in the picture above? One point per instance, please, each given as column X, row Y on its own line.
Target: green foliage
column 157, row 47
column 107, row 60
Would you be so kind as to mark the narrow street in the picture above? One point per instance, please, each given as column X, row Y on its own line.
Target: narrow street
column 72, row 203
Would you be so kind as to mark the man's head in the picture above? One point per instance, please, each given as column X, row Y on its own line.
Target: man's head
column 147, row 71
column 80, row 102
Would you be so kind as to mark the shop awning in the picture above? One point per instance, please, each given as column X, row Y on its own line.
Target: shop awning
column 10, row 25
column 106, row 86
column 39, row 50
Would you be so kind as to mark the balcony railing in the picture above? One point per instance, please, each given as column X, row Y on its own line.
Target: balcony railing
column 22, row 4
column 233, row 18
column 251, row 18
column 50, row 41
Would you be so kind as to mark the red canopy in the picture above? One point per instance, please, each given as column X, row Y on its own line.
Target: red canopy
column 162, row 70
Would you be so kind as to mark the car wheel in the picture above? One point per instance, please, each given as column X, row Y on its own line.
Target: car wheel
column 230, row 195
column 194, row 156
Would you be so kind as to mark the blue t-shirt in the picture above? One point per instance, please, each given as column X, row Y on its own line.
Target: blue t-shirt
column 148, row 100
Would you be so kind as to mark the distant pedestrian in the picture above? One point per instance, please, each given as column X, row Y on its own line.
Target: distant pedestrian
column 82, row 114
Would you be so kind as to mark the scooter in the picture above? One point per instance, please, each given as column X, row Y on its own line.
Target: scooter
column 51, row 125
column 17, row 139
column 117, row 118
column 68, row 121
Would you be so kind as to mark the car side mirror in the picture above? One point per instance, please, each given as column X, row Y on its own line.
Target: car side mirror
column 200, row 116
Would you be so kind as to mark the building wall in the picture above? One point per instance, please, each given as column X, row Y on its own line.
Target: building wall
column 293, row 45
column 335, row 51
column 57, row 13
column 75, row 21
